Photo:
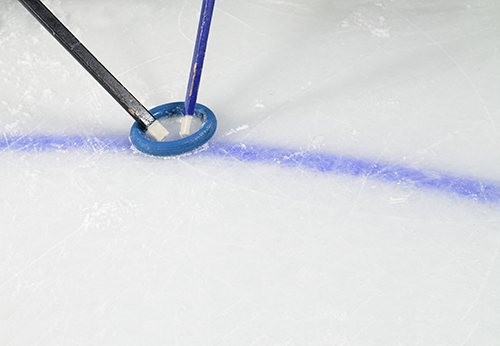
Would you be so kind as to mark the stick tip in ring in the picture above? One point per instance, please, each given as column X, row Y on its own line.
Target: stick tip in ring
column 149, row 146
column 187, row 120
column 157, row 131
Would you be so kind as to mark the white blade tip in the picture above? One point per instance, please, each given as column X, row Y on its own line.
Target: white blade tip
column 187, row 120
column 157, row 131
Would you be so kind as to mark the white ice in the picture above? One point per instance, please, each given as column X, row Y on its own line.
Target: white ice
column 100, row 245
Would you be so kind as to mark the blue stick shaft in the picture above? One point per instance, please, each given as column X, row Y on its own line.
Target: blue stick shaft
column 198, row 56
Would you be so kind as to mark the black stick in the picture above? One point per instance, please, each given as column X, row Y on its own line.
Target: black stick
column 89, row 62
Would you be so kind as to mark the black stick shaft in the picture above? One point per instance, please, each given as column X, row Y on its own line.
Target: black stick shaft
column 89, row 62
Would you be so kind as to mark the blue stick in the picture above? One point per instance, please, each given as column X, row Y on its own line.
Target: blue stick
column 198, row 56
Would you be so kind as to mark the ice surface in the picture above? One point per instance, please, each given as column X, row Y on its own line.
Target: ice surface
column 351, row 195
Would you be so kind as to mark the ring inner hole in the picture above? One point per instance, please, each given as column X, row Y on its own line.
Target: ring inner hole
column 173, row 125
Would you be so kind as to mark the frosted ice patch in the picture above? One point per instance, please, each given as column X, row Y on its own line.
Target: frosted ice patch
column 238, row 129
column 381, row 32
column 398, row 200
column 377, row 27
column 317, row 142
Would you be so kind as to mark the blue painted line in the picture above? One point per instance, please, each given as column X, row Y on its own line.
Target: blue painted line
column 482, row 191
column 54, row 142
column 344, row 165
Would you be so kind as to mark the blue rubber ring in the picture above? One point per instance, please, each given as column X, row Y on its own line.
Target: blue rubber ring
column 180, row 146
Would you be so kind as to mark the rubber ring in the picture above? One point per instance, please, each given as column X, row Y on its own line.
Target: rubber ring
column 180, row 146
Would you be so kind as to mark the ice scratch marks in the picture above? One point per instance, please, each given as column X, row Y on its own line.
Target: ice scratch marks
column 289, row 3
column 235, row 18
column 238, row 129
column 177, row 270
column 54, row 325
column 43, row 255
column 345, row 165
column 279, row 6
column 485, row 281
column 179, row 26
column 6, row 142
column 39, row 143
column 462, row 71
column 473, row 331
column 328, row 163
column 144, row 63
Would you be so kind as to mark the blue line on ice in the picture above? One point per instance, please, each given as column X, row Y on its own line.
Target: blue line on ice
column 315, row 161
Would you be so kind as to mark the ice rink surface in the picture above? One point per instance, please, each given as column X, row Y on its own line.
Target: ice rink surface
column 351, row 194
